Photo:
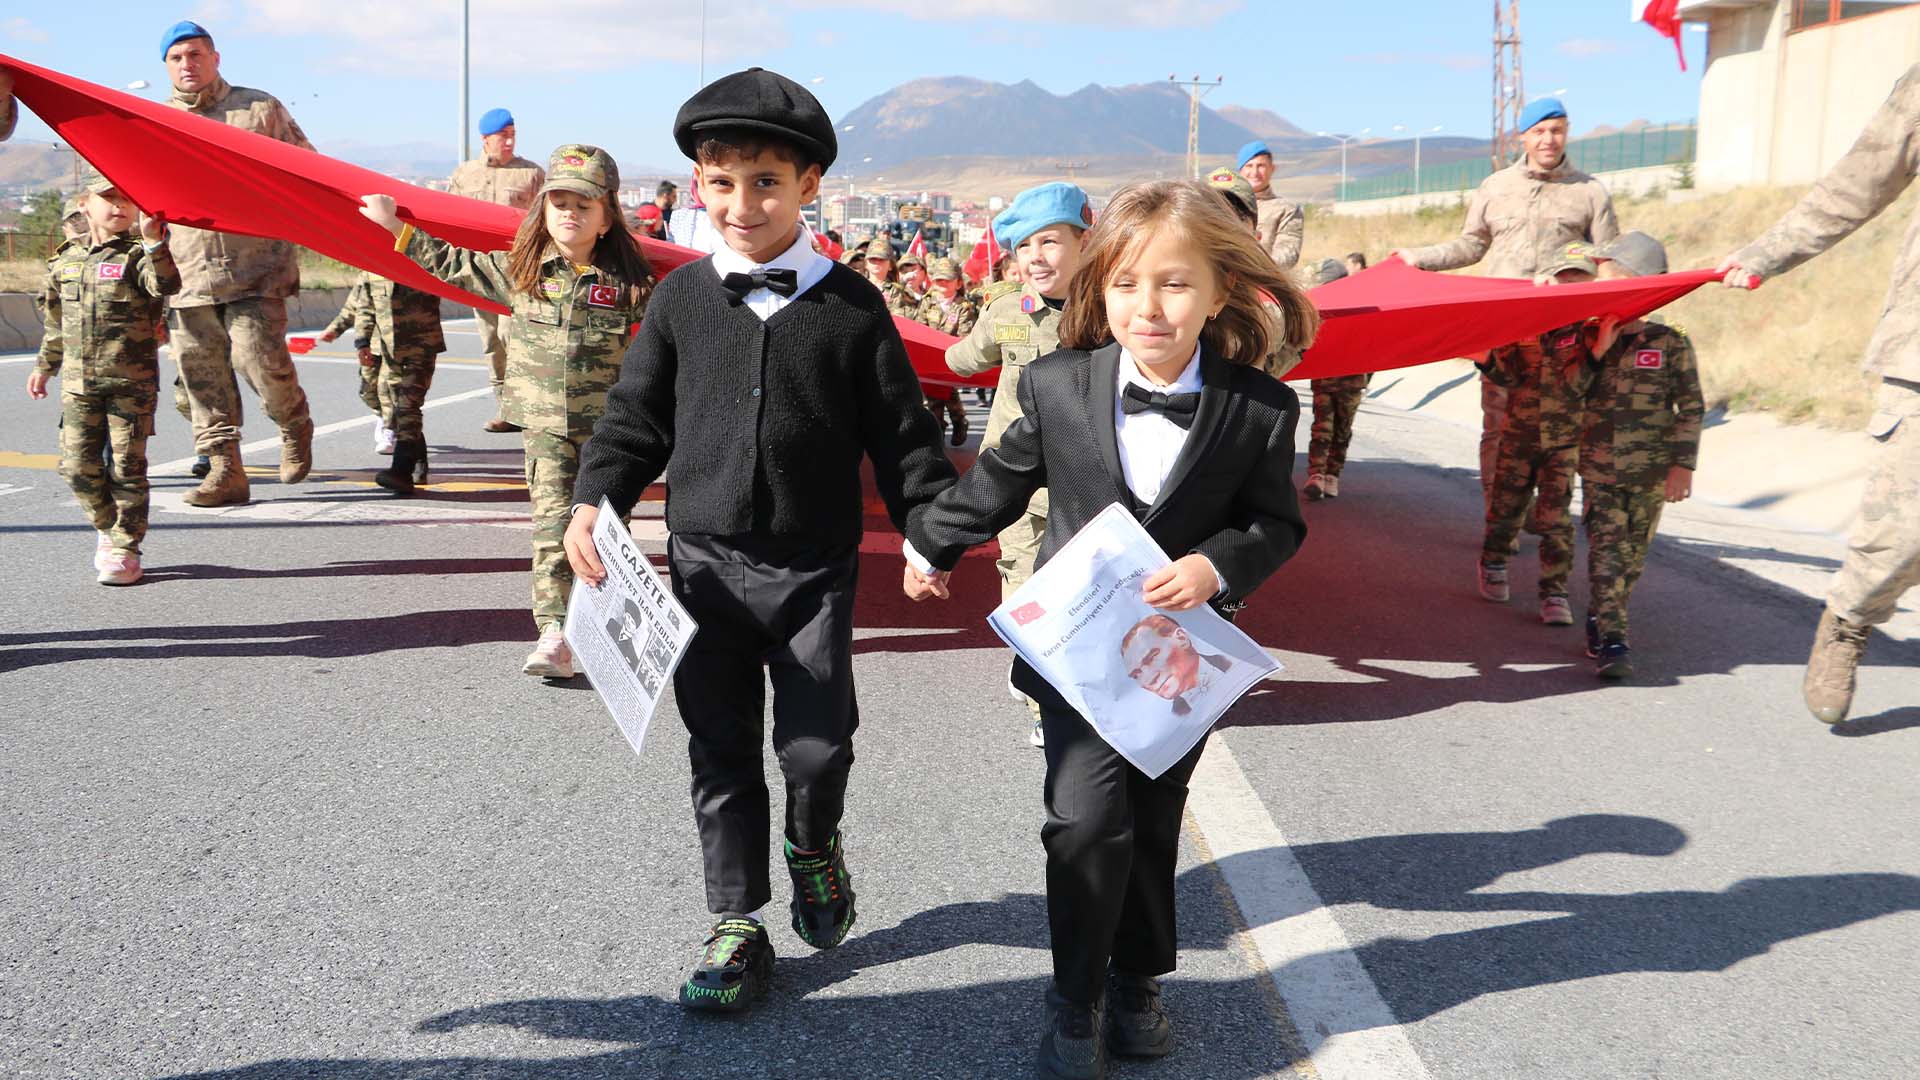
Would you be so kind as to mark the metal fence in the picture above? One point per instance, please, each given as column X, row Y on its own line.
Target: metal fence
column 1595, row 154
column 15, row 244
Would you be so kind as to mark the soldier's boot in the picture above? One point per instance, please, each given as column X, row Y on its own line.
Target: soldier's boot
column 398, row 477
column 1837, row 648
column 296, row 452
column 226, row 482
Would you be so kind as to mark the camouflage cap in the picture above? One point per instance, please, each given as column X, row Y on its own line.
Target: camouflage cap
column 1231, row 184
column 910, row 259
column 1635, row 252
column 1575, row 256
column 944, row 268
column 76, row 207
column 854, row 255
column 585, row 170
column 879, row 248
column 93, row 182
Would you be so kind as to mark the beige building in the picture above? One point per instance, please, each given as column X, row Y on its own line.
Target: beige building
column 1790, row 83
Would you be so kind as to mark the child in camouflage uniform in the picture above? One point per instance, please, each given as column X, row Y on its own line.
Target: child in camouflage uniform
column 397, row 334
column 944, row 309
column 578, row 285
column 1336, row 401
column 1639, row 449
column 1546, row 379
column 104, row 295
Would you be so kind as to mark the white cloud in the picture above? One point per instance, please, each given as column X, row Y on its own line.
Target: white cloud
column 396, row 37
column 20, row 29
column 1587, row 48
column 1156, row 14
column 1450, row 61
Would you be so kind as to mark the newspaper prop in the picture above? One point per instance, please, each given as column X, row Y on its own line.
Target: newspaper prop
column 628, row 632
column 1150, row 682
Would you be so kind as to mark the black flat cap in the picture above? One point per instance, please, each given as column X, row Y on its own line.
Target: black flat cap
column 758, row 100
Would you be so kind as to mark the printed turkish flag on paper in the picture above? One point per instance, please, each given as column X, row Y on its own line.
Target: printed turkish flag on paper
column 1026, row 613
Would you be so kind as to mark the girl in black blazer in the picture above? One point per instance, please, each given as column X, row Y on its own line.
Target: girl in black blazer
column 1157, row 401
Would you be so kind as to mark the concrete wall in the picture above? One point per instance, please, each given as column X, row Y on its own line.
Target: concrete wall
column 311, row 309
column 1779, row 107
column 1623, row 183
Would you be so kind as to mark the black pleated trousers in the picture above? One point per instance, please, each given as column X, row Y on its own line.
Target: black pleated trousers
column 768, row 610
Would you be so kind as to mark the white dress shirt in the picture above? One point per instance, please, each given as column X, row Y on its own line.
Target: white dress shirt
column 808, row 266
column 1149, row 441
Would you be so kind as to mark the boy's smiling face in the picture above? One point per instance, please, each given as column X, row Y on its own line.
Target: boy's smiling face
column 754, row 203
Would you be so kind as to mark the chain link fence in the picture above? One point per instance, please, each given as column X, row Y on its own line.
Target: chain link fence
column 1641, row 149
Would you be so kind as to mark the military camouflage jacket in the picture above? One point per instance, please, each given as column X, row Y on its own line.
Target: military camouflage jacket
column 103, row 303
column 390, row 318
column 218, row 268
column 957, row 318
column 1519, row 218
column 898, row 301
column 564, row 344
column 1883, row 161
column 1282, row 228
column 1547, row 379
column 514, row 184
column 1015, row 329
column 1644, row 410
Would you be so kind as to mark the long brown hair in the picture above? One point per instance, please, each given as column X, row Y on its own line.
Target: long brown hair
column 1264, row 307
column 616, row 251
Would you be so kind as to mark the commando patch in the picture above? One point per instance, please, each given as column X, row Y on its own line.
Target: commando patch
column 1005, row 333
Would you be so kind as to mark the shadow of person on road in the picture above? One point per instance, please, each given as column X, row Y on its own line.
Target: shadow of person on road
column 1900, row 719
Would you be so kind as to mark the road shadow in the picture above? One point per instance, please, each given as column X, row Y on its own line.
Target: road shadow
column 349, row 568
column 1900, row 719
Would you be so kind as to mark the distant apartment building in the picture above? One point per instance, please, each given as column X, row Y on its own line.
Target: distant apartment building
column 1790, row 83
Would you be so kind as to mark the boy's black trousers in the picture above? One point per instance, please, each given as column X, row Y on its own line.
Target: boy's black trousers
column 1112, row 838
column 763, row 604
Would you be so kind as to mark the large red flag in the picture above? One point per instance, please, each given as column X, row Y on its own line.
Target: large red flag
column 1663, row 16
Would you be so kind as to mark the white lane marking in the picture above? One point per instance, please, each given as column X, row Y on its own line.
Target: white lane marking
column 180, row 466
column 10, row 489
column 1349, row 1031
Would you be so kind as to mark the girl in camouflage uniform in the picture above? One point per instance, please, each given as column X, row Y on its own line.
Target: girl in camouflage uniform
column 578, row 285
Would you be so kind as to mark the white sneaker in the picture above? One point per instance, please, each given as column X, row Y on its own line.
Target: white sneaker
column 550, row 658
column 382, row 438
column 120, row 568
column 1037, row 738
column 102, row 548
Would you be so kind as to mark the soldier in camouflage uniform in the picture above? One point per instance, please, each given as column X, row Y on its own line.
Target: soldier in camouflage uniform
column 105, row 294
column 885, row 276
column 498, row 175
column 230, row 315
column 564, row 346
column 1336, row 402
column 1044, row 226
column 397, row 333
column 1638, row 452
column 1883, row 555
column 1546, row 380
column 944, row 309
column 1240, row 197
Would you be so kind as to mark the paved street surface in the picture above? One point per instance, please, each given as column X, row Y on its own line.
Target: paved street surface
column 288, row 808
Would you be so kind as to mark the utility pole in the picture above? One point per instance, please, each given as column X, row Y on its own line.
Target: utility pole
column 1509, row 83
column 1196, row 88
column 466, row 136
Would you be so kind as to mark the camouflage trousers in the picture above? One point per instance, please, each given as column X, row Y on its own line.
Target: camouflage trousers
column 1335, row 403
column 396, row 388
column 1493, row 418
column 212, row 345
column 1883, row 554
column 553, row 463
column 1019, row 547
column 494, row 344
column 90, row 425
column 1522, row 470
column 1621, row 521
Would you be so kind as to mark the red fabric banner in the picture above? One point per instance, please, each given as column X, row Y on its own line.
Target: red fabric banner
column 202, row 173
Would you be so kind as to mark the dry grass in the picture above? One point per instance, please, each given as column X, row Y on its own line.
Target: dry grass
column 316, row 272
column 1792, row 348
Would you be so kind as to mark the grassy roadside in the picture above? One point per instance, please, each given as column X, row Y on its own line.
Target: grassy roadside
column 1792, row 348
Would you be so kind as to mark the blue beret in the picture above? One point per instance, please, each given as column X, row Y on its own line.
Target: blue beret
column 1250, row 151
column 181, row 31
column 1546, row 108
column 494, row 120
column 1058, row 203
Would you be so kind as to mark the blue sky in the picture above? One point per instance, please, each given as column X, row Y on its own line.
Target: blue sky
column 377, row 72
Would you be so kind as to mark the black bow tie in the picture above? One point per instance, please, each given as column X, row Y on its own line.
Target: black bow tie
column 1176, row 407
column 777, row 280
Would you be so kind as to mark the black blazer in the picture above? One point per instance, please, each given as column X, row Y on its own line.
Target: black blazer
column 1229, row 497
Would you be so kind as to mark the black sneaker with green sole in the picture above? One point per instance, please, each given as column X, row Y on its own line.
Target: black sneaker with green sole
column 735, row 968
column 822, row 895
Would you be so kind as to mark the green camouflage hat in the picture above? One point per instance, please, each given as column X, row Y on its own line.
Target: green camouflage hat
column 944, row 268
column 93, row 182
column 1230, row 183
column 582, row 169
column 1575, row 256
column 879, row 248
column 76, row 207
column 910, row 259
column 852, row 255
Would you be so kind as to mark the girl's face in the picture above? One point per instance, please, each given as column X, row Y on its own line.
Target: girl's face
column 1158, row 303
column 575, row 221
column 1048, row 259
column 946, row 288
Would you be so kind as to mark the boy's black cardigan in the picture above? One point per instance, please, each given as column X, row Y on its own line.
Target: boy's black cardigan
column 760, row 426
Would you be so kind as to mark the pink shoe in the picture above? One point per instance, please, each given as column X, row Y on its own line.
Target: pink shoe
column 550, row 658
column 102, row 548
column 120, row 568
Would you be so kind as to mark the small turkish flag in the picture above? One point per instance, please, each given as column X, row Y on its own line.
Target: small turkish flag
column 919, row 246
column 1663, row 16
column 994, row 254
column 602, row 295
column 1028, row 612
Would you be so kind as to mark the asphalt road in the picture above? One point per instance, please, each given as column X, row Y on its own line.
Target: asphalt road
column 289, row 809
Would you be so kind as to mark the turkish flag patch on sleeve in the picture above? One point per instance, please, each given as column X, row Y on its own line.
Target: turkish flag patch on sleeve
column 112, row 271
column 1028, row 612
column 602, row 295
column 1649, row 359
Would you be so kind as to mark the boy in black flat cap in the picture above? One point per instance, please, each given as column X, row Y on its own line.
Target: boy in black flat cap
column 758, row 379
